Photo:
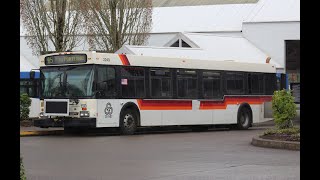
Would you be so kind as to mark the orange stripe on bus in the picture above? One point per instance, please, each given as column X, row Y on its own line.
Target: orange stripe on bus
column 204, row 105
column 124, row 59
column 164, row 105
column 208, row 105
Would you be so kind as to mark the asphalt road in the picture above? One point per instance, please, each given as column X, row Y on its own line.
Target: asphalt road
column 172, row 156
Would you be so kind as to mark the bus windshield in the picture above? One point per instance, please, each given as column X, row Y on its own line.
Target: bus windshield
column 67, row 82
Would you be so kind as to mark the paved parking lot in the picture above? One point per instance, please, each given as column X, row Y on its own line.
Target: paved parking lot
column 171, row 156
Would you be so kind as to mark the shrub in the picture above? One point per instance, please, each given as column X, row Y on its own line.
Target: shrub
column 22, row 173
column 284, row 108
column 25, row 103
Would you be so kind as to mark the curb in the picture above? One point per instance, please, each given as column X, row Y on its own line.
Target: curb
column 257, row 141
column 40, row 133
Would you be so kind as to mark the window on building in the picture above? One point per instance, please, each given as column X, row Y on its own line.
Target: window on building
column 187, row 83
column 161, row 83
column 132, row 82
column 255, row 83
column 29, row 87
column 211, row 84
column 234, row 83
column 106, row 81
column 175, row 44
column 183, row 44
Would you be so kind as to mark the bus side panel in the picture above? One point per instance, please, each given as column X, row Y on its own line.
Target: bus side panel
column 226, row 116
column 150, row 117
column 108, row 112
column 256, row 112
column 186, row 117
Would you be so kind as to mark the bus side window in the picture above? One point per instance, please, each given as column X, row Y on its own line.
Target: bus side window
column 106, row 81
column 211, row 84
column 234, row 83
column 161, row 83
column 270, row 81
column 187, row 83
column 255, row 83
column 132, row 82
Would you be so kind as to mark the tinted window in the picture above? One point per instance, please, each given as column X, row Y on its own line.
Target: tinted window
column 29, row 87
column 270, row 83
column 132, row 82
column 211, row 84
column 187, row 83
column 255, row 83
column 161, row 80
column 106, row 81
column 234, row 83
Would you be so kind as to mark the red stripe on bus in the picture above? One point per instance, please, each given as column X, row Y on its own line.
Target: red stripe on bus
column 204, row 105
column 164, row 104
column 208, row 105
column 124, row 59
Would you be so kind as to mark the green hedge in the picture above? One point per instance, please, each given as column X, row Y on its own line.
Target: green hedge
column 25, row 103
column 284, row 109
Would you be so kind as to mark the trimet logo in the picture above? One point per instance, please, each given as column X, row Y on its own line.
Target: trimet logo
column 108, row 110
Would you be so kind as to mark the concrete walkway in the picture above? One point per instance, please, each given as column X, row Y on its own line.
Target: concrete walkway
column 33, row 128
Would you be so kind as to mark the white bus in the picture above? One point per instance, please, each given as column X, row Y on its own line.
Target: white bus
column 90, row 89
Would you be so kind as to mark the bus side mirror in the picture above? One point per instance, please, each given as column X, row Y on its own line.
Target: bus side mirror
column 32, row 75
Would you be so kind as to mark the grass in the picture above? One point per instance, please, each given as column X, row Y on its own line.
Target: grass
column 287, row 131
column 292, row 133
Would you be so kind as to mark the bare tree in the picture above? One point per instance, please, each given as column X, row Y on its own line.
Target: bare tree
column 113, row 23
column 56, row 20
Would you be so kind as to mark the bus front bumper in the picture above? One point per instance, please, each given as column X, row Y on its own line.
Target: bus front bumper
column 74, row 122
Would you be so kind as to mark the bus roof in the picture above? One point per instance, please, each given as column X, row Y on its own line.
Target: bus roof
column 149, row 61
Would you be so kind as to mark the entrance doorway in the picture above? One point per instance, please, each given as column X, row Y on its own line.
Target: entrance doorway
column 293, row 67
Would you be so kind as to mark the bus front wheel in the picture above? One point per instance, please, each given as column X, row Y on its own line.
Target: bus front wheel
column 128, row 122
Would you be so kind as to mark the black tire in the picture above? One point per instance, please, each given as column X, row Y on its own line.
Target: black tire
column 244, row 118
column 128, row 122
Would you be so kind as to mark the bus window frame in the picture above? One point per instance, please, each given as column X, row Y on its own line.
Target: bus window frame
column 144, row 80
column 221, row 92
column 95, row 82
column 197, row 83
column 150, row 82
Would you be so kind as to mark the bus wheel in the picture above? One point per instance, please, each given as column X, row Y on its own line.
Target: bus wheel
column 244, row 118
column 128, row 122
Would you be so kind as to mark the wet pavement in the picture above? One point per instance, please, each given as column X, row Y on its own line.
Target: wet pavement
column 214, row 154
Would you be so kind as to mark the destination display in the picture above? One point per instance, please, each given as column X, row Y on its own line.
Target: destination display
column 65, row 59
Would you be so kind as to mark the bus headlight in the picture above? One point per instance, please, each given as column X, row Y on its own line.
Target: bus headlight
column 84, row 114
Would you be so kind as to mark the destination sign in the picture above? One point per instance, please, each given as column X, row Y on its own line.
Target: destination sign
column 65, row 59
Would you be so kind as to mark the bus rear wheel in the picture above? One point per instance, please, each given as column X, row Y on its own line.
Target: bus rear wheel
column 128, row 122
column 244, row 118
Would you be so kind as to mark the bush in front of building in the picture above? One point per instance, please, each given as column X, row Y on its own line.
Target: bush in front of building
column 284, row 109
column 25, row 103
column 22, row 173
